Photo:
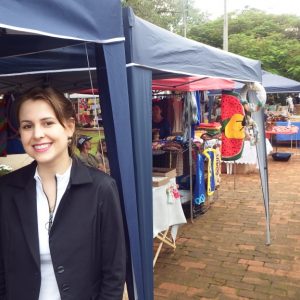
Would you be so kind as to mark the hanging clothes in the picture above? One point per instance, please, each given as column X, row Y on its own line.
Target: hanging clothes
column 199, row 188
column 177, row 105
column 218, row 166
column 190, row 113
column 210, row 154
column 198, row 101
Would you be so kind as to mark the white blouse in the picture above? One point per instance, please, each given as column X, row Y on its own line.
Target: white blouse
column 49, row 289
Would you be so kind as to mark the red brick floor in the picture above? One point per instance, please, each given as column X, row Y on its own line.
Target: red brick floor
column 223, row 255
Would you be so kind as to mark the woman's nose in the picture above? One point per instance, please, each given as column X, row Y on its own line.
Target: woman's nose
column 38, row 132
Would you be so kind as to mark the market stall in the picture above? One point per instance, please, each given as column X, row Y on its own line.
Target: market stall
column 155, row 53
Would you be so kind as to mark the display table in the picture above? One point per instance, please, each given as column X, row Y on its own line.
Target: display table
column 285, row 130
column 249, row 155
column 167, row 216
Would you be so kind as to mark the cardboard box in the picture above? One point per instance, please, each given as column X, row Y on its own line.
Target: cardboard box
column 164, row 172
column 159, row 181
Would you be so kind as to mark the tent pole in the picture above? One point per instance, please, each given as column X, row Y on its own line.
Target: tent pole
column 190, row 160
column 234, row 174
column 268, row 234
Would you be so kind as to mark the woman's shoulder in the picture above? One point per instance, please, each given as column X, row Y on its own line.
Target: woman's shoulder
column 20, row 176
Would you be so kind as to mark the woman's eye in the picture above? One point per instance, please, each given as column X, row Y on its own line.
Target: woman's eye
column 49, row 123
column 26, row 126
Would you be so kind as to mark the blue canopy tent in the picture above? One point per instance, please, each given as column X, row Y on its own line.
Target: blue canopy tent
column 155, row 53
column 32, row 35
column 274, row 83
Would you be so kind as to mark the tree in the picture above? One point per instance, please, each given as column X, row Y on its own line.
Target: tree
column 168, row 14
column 272, row 39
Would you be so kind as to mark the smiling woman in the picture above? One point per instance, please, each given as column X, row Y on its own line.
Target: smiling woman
column 72, row 238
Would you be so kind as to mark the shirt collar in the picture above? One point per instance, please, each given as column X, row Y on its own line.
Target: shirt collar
column 59, row 177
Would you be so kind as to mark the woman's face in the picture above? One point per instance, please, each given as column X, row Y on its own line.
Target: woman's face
column 42, row 136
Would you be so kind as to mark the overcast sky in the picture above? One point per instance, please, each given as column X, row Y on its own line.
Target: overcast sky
column 215, row 8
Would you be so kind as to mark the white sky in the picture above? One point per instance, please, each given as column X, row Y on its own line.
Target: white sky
column 215, row 8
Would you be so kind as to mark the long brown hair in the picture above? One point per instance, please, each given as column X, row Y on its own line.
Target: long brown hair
column 62, row 107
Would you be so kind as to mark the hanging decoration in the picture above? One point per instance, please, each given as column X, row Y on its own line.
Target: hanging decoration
column 259, row 96
column 233, row 134
column 210, row 154
column 199, row 193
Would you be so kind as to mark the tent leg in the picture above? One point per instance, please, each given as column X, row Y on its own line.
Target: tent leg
column 268, row 234
column 234, row 175
column 190, row 161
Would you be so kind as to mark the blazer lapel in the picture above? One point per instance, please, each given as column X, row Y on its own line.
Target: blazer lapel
column 26, row 203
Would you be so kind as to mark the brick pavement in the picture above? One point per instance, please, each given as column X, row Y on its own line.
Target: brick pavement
column 223, row 254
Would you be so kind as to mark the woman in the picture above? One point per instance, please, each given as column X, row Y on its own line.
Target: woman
column 61, row 231
column 160, row 123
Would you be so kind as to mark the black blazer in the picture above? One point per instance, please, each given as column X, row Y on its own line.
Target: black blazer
column 86, row 239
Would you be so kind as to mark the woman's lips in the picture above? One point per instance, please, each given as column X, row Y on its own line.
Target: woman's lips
column 41, row 147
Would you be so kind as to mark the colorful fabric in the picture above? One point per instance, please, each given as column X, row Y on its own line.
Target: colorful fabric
column 218, row 166
column 210, row 154
column 232, row 116
column 199, row 191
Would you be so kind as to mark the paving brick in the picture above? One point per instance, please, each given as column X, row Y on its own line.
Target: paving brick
column 161, row 293
column 240, row 285
column 254, row 295
column 191, row 291
column 193, row 265
column 172, row 287
column 227, row 276
column 272, row 291
column 250, row 262
column 261, row 270
column 256, row 281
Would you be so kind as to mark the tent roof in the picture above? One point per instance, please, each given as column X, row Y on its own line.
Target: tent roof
column 85, row 20
column 64, row 68
column 191, row 84
column 64, row 63
column 274, row 83
column 57, row 45
column 278, row 84
column 169, row 54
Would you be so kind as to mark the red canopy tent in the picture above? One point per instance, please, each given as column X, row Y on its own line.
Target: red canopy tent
column 188, row 84
column 192, row 84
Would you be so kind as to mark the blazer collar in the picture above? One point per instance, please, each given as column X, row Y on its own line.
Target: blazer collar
column 79, row 173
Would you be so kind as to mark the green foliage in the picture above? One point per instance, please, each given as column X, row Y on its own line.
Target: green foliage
column 168, row 14
column 272, row 39
column 210, row 33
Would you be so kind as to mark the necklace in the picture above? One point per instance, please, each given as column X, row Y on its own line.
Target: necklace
column 51, row 209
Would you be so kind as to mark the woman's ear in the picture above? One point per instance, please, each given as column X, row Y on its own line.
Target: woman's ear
column 70, row 126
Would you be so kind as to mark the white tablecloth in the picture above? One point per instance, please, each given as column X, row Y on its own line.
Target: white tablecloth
column 249, row 154
column 166, row 214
